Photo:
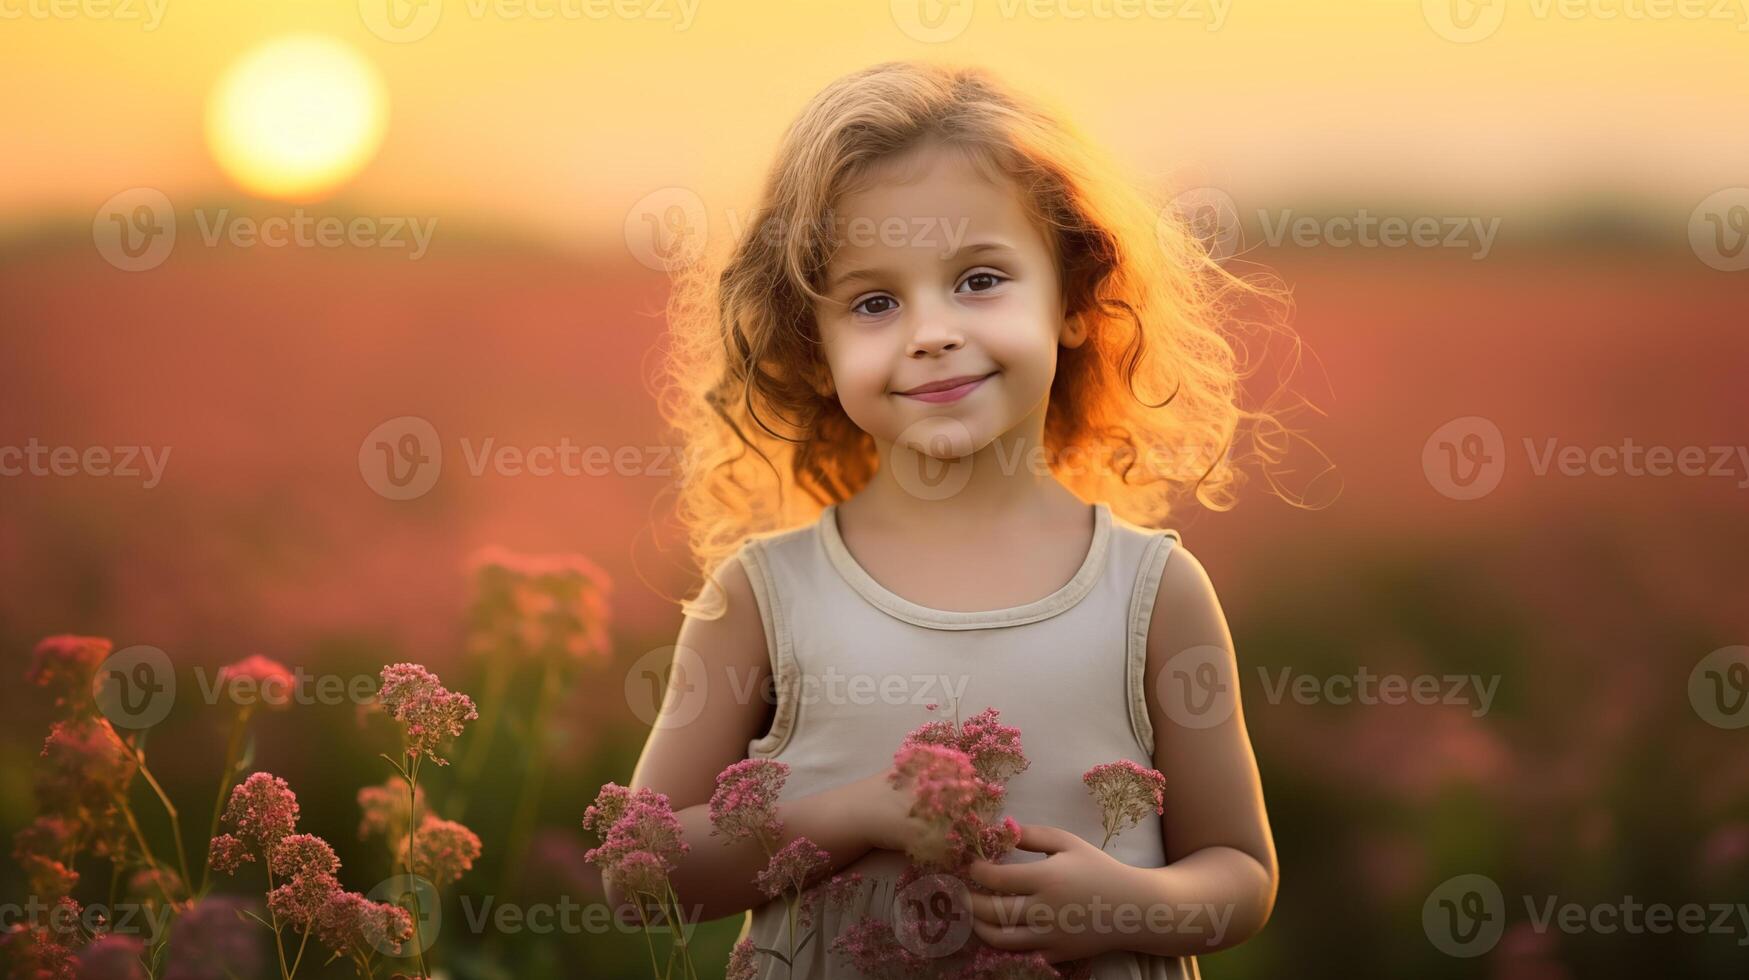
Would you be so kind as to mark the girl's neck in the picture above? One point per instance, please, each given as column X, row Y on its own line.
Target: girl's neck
column 1004, row 484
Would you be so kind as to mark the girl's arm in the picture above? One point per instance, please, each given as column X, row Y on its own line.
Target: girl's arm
column 1220, row 877
column 727, row 707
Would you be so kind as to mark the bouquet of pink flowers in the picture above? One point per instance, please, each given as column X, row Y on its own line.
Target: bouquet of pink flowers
column 956, row 774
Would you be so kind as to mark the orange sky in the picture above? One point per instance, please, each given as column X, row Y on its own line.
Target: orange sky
column 559, row 124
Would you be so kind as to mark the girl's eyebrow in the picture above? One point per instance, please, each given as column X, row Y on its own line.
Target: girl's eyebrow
column 875, row 272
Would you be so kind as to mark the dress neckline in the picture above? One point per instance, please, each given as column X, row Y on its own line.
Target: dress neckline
column 900, row 607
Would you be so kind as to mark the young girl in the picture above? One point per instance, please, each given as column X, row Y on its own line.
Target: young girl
column 950, row 326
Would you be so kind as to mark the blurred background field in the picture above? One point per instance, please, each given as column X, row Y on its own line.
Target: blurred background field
column 530, row 320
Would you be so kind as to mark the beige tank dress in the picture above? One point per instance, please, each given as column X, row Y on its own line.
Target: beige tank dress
column 856, row 664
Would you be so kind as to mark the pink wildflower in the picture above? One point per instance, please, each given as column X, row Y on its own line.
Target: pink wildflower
column 67, row 665
column 999, row 964
column 213, row 939
column 1126, row 792
column 837, row 892
column 302, row 854
column 741, row 961
column 112, row 957
column 351, row 924
column 385, row 811
column 444, row 850
column 86, row 766
column 629, row 822
column 256, row 680
column 874, row 952
column 539, row 605
column 744, row 805
column 428, row 711
column 300, row 900
column 792, row 868
column 263, row 809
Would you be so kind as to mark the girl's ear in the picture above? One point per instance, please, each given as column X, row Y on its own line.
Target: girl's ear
column 1074, row 332
column 822, row 381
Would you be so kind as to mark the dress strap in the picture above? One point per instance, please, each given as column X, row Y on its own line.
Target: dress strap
column 1147, row 586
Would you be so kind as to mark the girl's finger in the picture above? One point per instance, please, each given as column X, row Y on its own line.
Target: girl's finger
column 1016, row 879
column 1000, row 910
column 1044, row 838
column 1018, row 939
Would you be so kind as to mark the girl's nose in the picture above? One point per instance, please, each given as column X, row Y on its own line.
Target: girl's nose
column 935, row 331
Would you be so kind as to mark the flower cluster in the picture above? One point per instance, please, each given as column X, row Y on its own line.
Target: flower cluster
column 957, row 776
column 744, row 804
column 1126, row 792
column 640, row 839
column 67, row 666
column 263, row 810
column 443, row 850
column 428, row 712
column 387, row 813
column 531, row 606
column 256, row 680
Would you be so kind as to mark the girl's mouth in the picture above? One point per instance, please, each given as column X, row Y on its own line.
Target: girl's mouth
column 950, row 394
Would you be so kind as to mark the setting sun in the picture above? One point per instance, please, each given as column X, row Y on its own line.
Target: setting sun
column 296, row 116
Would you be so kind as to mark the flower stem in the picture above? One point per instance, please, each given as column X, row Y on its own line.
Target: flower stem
column 170, row 809
column 644, row 921
column 412, row 770
column 278, row 946
column 233, row 751
column 522, row 818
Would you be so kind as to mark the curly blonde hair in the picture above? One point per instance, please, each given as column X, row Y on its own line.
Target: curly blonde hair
column 1146, row 410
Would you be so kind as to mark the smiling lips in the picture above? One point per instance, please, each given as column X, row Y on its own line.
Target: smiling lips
column 946, row 390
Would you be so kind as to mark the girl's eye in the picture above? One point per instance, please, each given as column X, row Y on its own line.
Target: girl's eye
column 990, row 280
column 981, row 282
column 858, row 306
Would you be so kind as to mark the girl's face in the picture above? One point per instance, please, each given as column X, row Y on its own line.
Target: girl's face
column 940, row 276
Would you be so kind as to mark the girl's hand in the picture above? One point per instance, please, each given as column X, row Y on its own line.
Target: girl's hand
column 881, row 813
column 1075, row 903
